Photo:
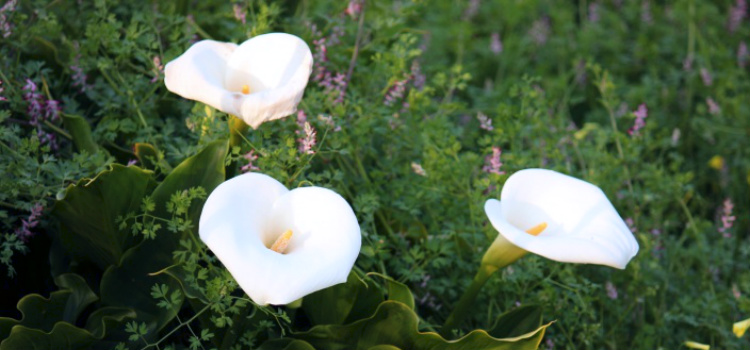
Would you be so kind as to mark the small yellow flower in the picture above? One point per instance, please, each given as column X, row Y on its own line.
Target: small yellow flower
column 716, row 162
column 696, row 345
column 739, row 328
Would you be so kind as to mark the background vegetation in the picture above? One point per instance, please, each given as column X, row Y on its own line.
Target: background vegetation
column 410, row 100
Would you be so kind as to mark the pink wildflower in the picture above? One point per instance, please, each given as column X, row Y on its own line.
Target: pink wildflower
column 687, row 64
column 713, row 108
column 742, row 55
column 646, row 13
column 24, row 232
column 484, row 122
column 550, row 344
column 540, row 31
column 727, row 219
column 736, row 14
column 354, row 8
column 736, row 292
column 35, row 100
column 301, row 119
column 706, row 76
column 492, row 162
column 328, row 120
column 594, row 12
column 631, row 224
column 611, row 290
column 417, row 169
column 40, row 111
column 308, row 141
column 250, row 157
column 132, row 162
column 52, row 110
column 640, row 120
column 239, row 14
column 395, row 92
column 471, row 10
column 496, row 46
column 158, row 69
column 418, row 79
column 6, row 28
column 2, row 98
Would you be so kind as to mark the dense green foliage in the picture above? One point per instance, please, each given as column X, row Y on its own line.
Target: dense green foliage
column 401, row 135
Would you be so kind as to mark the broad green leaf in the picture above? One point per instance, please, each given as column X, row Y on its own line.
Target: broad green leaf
column 383, row 347
column 106, row 320
column 129, row 284
column 63, row 305
column 518, row 321
column 49, row 323
column 333, row 304
column 337, row 304
column 63, row 336
column 89, row 211
column 81, row 296
column 205, row 169
column 395, row 324
column 81, row 132
column 286, row 344
column 397, row 291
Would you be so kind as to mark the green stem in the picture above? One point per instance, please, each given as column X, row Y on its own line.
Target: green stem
column 464, row 304
column 237, row 130
column 182, row 324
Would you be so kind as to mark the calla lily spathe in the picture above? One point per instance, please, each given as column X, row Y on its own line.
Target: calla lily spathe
column 260, row 80
column 243, row 218
column 582, row 226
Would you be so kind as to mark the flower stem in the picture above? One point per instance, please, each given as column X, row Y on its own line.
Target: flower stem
column 467, row 300
column 237, row 130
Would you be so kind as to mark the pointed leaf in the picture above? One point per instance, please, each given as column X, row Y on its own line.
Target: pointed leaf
column 518, row 321
column 81, row 132
column 397, row 291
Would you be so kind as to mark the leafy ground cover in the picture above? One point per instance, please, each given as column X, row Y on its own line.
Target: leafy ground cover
column 417, row 113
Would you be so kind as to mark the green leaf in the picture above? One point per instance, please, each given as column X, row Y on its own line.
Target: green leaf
column 81, row 132
column 149, row 157
column 129, row 284
column 90, row 208
column 49, row 323
column 81, row 296
column 521, row 320
column 397, row 291
column 107, row 318
column 335, row 304
column 63, row 305
column 286, row 344
column 395, row 324
column 63, row 336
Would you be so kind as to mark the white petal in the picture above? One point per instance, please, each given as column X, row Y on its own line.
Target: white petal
column 324, row 246
column 244, row 215
column 583, row 226
column 198, row 74
column 276, row 68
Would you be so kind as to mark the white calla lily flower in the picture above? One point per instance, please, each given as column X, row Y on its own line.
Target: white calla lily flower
column 558, row 217
column 280, row 245
column 260, row 80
